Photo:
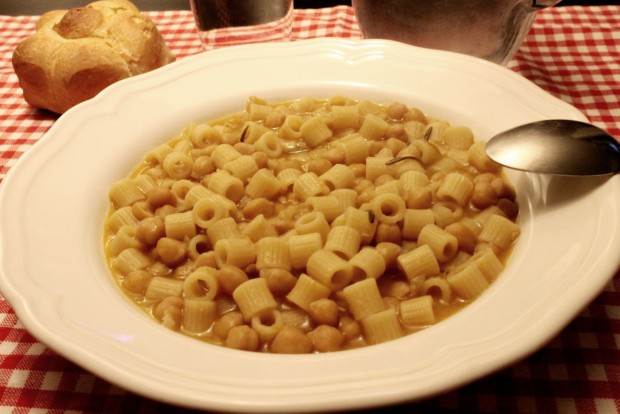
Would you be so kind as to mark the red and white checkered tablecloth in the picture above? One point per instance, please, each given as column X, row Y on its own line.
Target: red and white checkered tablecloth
column 573, row 52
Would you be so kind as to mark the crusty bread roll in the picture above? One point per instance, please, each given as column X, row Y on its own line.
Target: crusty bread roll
column 76, row 53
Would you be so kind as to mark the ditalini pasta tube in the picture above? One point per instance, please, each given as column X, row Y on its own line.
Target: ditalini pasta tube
column 443, row 244
column 201, row 284
column 306, row 291
column 198, row 314
column 382, row 326
column 235, row 252
column 418, row 311
column 367, row 263
column 420, row 261
column 344, row 241
column 363, row 298
column 329, row 269
column 273, row 252
column 253, row 297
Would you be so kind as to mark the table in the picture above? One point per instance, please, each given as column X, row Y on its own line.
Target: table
column 572, row 52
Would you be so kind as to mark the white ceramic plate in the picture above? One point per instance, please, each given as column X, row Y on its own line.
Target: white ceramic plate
column 53, row 203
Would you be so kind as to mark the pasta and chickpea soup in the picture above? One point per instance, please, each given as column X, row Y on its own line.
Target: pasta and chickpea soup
column 311, row 225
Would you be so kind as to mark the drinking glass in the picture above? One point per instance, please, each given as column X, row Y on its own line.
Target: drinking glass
column 231, row 22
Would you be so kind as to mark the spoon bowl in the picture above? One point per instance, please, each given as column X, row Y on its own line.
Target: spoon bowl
column 558, row 147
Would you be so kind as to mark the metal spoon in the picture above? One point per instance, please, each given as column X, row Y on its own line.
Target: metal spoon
column 558, row 146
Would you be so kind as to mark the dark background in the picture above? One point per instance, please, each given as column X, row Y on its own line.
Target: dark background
column 36, row 7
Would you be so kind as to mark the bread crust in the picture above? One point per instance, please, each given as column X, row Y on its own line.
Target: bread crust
column 76, row 53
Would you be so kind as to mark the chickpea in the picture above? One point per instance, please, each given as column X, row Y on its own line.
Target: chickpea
column 208, row 150
column 280, row 281
column 350, row 328
column 364, row 185
column 202, row 166
column 419, row 198
column 359, row 169
column 334, row 155
column 251, row 270
column 159, row 269
column 260, row 158
column 300, row 210
column 395, row 288
column 287, row 213
column 159, row 196
column 282, row 225
column 223, row 325
column 184, row 270
column 171, row 252
column 275, row 119
column 437, row 176
column 509, row 207
column 137, row 281
column 327, row 338
column 229, row 277
column 206, row 259
column 324, row 312
column 502, row 189
column 242, row 337
column 397, row 110
column 258, row 206
column 365, row 197
column 382, row 179
column 141, row 210
column 168, row 312
column 390, row 233
column 318, row 165
column 291, row 340
column 165, row 210
column 483, row 195
column 165, row 303
column 150, row 230
column 397, row 131
column 277, row 165
column 304, row 105
column 390, row 252
column 466, row 237
column 484, row 178
column 414, row 114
